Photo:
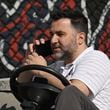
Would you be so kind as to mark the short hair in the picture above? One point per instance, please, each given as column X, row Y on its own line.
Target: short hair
column 78, row 20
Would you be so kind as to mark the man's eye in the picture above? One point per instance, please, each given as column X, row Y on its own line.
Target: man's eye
column 60, row 34
column 51, row 34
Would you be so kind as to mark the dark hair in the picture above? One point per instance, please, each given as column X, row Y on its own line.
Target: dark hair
column 78, row 20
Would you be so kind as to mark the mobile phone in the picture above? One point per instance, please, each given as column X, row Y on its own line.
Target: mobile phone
column 44, row 49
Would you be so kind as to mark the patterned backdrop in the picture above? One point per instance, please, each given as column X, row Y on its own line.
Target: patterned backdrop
column 22, row 21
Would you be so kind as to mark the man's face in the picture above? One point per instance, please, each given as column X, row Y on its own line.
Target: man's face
column 63, row 39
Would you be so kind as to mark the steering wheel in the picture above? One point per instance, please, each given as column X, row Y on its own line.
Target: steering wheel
column 39, row 91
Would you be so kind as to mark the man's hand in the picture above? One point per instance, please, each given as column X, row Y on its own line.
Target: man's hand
column 34, row 58
column 36, row 42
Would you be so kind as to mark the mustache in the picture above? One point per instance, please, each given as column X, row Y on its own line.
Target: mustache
column 54, row 46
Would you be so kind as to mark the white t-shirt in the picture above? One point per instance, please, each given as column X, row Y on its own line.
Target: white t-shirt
column 92, row 67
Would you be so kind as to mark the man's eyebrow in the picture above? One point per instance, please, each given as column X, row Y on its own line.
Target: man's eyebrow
column 62, row 32
column 56, row 32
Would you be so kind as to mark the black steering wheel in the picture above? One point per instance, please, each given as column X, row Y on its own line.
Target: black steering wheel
column 39, row 91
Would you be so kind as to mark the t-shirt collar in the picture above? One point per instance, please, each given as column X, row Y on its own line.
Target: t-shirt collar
column 80, row 56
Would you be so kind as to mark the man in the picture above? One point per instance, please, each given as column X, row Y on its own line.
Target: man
column 87, row 70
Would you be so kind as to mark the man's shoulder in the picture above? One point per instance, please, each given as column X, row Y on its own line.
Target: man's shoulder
column 96, row 54
column 95, row 57
column 102, row 54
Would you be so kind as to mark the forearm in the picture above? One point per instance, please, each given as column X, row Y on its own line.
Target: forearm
column 25, row 77
column 28, row 75
column 54, row 81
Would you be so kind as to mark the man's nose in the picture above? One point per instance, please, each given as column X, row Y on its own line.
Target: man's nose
column 54, row 38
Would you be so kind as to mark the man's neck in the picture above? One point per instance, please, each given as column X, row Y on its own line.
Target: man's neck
column 71, row 58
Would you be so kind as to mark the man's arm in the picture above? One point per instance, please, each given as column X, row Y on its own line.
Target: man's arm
column 27, row 76
column 81, row 86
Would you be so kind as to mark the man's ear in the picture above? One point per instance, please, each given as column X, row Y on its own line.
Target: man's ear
column 81, row 38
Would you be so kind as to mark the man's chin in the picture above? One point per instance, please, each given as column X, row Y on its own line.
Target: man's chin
column 58, row 56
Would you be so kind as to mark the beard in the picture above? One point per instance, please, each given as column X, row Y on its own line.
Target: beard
column 65, row 52
column 64, row 55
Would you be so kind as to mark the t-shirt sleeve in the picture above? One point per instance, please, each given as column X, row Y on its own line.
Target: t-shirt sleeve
column 93, row 71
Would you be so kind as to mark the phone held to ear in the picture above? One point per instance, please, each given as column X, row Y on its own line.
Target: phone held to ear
column 44, row 49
